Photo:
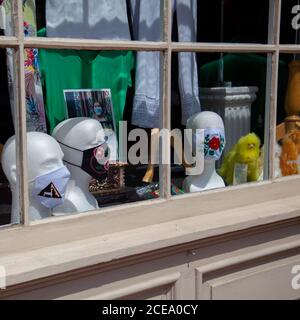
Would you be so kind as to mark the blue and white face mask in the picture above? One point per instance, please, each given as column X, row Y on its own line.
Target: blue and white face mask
column 49, row 189
column 210, row 142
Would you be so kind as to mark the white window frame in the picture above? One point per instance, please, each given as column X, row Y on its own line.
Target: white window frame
column 273, row 48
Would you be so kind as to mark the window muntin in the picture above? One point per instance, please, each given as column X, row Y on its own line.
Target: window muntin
column 77, row 118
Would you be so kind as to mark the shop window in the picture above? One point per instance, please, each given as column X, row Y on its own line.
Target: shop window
column 116, row 100
column 89, row 138
column 221, row 112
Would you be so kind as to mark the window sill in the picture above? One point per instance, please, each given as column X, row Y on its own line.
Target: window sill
column 45, row 250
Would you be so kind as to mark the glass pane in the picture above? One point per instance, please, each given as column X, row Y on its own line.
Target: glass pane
column 288, row 125
column 290, row 22
column 96, row 19
column 221, row 21
column 218, row 119
column 6, row 21
column 89, row 124
column 9, row 207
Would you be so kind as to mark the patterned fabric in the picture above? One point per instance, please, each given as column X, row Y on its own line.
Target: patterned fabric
column 9, row 31
column 35, row 112
column 147, row 18
column 214, row 144
column 93, row 19
column 211, row 142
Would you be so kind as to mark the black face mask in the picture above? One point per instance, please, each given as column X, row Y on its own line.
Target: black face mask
column 95, row 161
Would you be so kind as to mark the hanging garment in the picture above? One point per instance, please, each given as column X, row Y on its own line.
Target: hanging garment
column 2, row 17
column 147, row 26
column 71, row 69
column 35, row 113
column 94, row 19
column 6, row 121
column 6, row 8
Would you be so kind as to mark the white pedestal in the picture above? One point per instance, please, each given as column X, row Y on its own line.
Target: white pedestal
column 233, row 104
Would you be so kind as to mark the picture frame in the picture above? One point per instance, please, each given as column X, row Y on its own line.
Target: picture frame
column 92, row 103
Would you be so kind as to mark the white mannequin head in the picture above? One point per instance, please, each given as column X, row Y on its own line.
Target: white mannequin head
column 44, row 155
column 205, row 119
column 209, row 179
column 81, row 134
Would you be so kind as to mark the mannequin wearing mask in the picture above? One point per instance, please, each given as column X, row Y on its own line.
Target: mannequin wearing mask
column 47, row 175
column 213, row 146
column 83, row 142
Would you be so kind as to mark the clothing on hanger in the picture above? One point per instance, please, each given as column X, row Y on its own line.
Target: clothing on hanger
column 35, row 112
column 89, row 19
column 72, row 69
column 147, row 22
column 93, row 19
column 6, row 121
column 2, row 17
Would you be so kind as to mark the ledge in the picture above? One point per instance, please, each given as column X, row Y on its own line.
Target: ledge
column 45, row 250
